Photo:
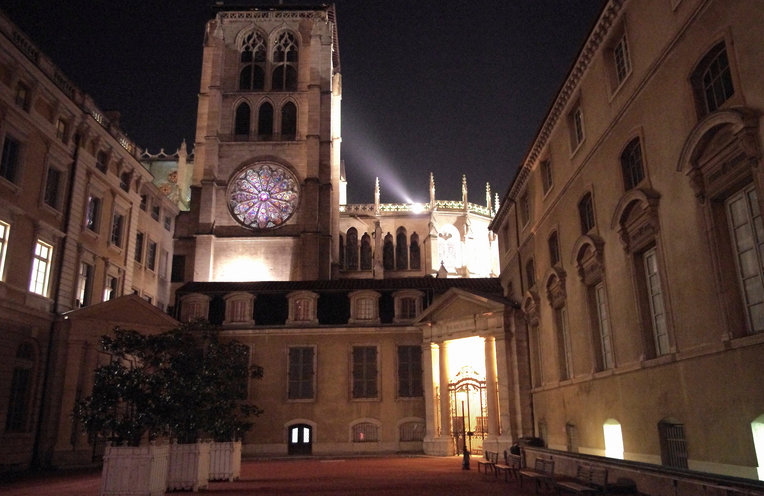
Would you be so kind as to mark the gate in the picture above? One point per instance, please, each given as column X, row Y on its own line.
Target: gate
column 469, row 412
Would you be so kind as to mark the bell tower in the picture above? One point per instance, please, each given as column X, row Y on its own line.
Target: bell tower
column 265, row 188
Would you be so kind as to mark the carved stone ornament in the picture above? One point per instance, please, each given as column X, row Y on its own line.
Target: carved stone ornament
column 637, row 218
column 555, row 288
column 589, row 259
column 531, row 308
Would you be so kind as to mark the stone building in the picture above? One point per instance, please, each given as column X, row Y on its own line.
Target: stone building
column 631, row 237
column 80, row 223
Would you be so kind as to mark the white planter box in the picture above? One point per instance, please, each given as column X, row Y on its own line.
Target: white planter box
column 225, row 461
column 140, row 471
column 189, row 467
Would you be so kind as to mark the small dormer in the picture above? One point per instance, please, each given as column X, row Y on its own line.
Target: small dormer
column 364, row 307
column 239, row 308
column 194, row 306
column 408, row 305
column 302, row 308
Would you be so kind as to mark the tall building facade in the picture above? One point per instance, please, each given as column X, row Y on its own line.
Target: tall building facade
column 631, row 236
column 266, row 172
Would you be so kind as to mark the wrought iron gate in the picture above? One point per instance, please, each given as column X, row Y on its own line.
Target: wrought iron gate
column 469, row 412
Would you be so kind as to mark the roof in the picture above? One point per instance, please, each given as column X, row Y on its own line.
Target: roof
column 485, row 286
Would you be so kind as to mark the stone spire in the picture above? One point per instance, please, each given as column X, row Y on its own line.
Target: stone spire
column 488, row 196
column 464, row 193
column 376, row 197
column 432, row 192
column 496, row 204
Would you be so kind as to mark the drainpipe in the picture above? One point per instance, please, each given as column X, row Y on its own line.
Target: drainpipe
column 37, row 463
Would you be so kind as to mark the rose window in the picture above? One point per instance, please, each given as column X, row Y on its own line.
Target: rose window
column 263, row 196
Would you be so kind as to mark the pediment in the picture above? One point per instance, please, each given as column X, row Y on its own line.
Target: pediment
column 456, row 304
column 126, row 311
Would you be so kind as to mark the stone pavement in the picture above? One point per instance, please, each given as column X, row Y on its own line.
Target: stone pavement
column 385, row 476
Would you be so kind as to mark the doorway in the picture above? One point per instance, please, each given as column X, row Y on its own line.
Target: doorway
column 300, row 440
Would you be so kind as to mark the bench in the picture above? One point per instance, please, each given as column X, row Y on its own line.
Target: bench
column 512, row 465
column 589, row 480
column 543, row 470
column 491, row 458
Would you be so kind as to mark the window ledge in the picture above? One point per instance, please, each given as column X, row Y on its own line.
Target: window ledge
column 52, row 210
column 409, row 398
column 620, row 85
column 11, row 186
column 365, row 400
column 301, row 400
column 116, row 248
column 577, row 147
column 751, row 339
column 661, row 360
column 364, row 321
column 90, row 234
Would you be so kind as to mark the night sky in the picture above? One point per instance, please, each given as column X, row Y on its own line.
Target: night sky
column 428, row 86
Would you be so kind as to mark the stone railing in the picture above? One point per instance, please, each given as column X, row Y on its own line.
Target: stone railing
column 443, row 205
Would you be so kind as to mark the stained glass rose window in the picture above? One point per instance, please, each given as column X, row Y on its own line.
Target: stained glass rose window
column 263, row 196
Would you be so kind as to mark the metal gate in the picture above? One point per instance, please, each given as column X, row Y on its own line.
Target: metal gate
column 469, row 412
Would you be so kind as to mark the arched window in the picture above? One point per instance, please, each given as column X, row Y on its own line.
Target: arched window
column 388, row 253
column 586, row 213
column 366, row 258
column 712, row 80
column 285, row 62
column 252, row 61
column 288, row 121
column 554, row 249
column 414, row 257
column 265, row 121
column 631, row 165
column 342, row 252
column 18, row 419
column 352, row 249
column 401, row 250
column 530, row 273
column 613, row 439
column 241, row 127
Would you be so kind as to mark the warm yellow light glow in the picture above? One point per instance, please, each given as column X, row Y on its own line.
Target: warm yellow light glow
column 244, row 269
column 417, row 208
column 613, row 439
column 466, row 351
column 757, row 426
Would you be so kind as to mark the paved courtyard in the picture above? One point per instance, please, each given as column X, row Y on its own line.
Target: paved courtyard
column 419, row 476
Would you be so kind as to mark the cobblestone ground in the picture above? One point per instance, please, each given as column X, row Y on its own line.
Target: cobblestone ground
column 418, row 476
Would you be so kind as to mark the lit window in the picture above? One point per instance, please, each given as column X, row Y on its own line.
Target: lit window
column 52, row 187
column 110, row 289
column 117, row 227
column 621, row 58
column 365, row 433
column 364, row 372
column 757, row 428
column 285, row 62
column 84, row 284
column 93, row 213
column 151, row 255
column 409, row 371
column 9, row 163
column 263, row 196
column 4, row 230
column 43, row 253
column 613, row 439
column 301, row 374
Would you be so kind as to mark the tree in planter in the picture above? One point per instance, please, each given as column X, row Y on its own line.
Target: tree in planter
column 183, row 383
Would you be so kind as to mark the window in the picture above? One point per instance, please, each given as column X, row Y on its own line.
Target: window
column 410, row 371
column 17, row 419
column 163, row 256
column 252, row 60
column 288, row 121
column 401, row 250
column 265, row 122
column 4, row 231
column 613, row 439
column 364, row 372
column 747, row 236
column 530, row 273
column 408, row 308
column 154, row 210
column 148, row 298
column 554, row 249
column 621, row 59
column 144, row 202
column 110, row 289
column 388, row 253
column 302, row 310
column 571, row 432
column 84, row 284
column 576, row 126
column 601, row 319
column 178, row 268
column 52, row 187
column 673, row 444
column 367, row 258
column 241, row 126
column 411, row 431
column 167, row 223
column 117, row 228
column 139, row 247
column 655, row 301
column 151, row 255
column 301, row 373
column 124, row 181
column 102, row 161
column 712, row 80
column 525, row 209
column 564, row 354
column 365, row 433
column 586, row 213
column 93, row 213
column 546, row 175
column 43, row 255
column 9, row 164
column 285, row 62
column 631, row 165
column 365, row 308
column 352, row 249
column 414, row 255
column 22, row 96
column 61, row 130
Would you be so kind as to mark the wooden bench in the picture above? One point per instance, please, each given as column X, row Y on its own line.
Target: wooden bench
column 543, row 470
column 491, row 458
column 589, row 480
column 511, row 466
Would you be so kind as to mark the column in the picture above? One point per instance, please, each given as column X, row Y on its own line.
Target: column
column 429, row 391
column 445, row 400
column 491, row 387
column 505, row 391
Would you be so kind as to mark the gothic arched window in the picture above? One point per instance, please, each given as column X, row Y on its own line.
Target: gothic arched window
column 342, row 252
column 414, row 258
column 285, row 62
column 352, row 249
column 401, row 250
column 631, row 165
column 263, row 196
column 265, row 121
column 366, row 258
column 252, row 60
column 241, row 127
column 288, row 121
column 388, row 253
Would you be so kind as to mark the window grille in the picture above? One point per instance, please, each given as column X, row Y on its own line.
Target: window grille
column 365, row 433
column 673, row 444
column 411, row 431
